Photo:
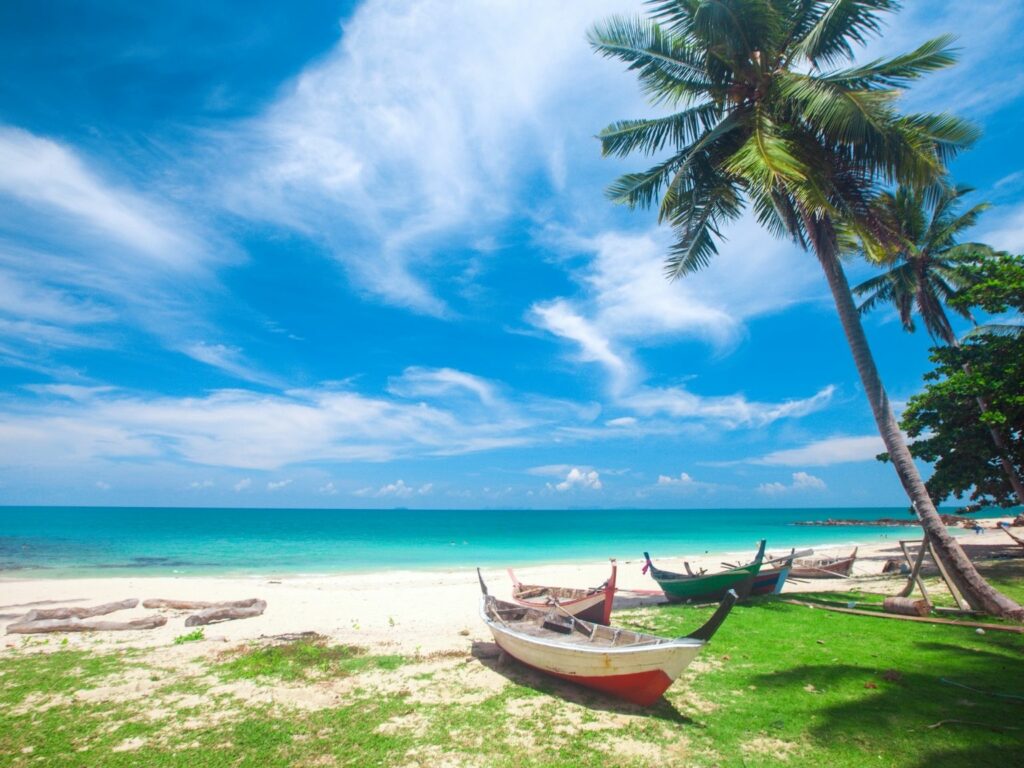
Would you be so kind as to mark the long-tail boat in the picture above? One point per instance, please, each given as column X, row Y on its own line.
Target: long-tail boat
column 634, row 666
column 706, row 588
column 824, row 568
column 770, row 581
column 594, row 605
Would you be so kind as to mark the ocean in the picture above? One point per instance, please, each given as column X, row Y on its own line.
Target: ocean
column 117, row 541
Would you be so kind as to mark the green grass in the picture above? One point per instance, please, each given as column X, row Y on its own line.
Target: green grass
column 304, row 660
column 780, row 685
column 190, row 637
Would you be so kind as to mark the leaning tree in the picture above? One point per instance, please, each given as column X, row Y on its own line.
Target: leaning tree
column 765, row 106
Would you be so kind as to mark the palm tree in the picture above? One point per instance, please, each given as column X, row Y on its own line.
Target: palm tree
column 759, row 111
column 924, row 271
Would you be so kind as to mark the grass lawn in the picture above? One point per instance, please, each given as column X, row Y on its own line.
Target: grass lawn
column 780, row 685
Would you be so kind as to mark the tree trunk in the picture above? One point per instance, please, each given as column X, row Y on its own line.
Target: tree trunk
column 975, row 589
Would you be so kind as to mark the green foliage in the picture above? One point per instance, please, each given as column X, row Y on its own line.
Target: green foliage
column 191, row 637
column 304, row 659
column 945, row 418
column 770, row 116
column 925, row 265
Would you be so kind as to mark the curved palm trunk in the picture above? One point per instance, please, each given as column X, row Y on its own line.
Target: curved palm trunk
column 978, row 593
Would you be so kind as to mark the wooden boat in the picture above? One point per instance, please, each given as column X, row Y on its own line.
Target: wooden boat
column 593, row 605
column 706, row 588
column 770, row 581
column 634, row 666
column 824, row 568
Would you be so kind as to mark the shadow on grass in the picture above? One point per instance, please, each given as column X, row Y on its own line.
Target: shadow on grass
column 958, row 726
column 492, row 657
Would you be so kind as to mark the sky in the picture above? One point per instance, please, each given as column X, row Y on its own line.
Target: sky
column 334, row 254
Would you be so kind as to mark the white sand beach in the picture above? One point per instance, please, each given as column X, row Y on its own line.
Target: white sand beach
column 397, row 611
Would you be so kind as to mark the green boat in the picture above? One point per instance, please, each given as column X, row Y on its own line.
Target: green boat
column 706, row 588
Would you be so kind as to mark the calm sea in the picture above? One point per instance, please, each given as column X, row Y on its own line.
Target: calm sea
column 97, row 541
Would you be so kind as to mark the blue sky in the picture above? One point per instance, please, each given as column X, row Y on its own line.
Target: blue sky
column 358, row 255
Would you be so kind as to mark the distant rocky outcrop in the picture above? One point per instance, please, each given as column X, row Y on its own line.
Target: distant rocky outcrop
column 893, row 522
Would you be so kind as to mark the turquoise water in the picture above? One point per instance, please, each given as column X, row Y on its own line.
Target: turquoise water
column 100, row 541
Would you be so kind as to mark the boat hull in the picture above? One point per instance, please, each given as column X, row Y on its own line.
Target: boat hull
column 707, row 589
column 770, row 582
column 595, row 606
column 639, row 675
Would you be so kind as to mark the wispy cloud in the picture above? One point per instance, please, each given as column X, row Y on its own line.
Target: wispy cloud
column 823, row 453
column 385, row 162
column 399, row 489
column 103, row 256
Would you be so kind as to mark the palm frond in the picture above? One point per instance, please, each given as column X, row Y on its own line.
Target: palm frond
column 650, row 136
column 899, row 71
column 668, row 68
column 1013, row 330
column 840, row 25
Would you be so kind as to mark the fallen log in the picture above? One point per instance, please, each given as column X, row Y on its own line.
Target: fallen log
column 196, row 605
column 923, row 619
column 906, row 606
column 225, row 613
column 84, row 625
column 39, row 614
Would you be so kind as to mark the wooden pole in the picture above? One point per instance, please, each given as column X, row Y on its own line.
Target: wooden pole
column 961, row 603
column 915, row 572
column 923, row 619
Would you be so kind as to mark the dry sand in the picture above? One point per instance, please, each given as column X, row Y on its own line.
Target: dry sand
column 397, row 611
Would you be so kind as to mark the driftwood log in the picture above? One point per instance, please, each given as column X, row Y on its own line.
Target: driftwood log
column 906, row 606
column 84, row 625
column 77, row 613
column 226, row 612
column 196, row 605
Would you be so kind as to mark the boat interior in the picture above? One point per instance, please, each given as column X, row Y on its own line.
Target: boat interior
column 553, row 624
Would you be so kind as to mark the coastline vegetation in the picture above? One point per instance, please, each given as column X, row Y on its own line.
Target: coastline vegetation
column 780, row 685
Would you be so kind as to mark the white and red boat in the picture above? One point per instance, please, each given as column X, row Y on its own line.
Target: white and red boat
column 631, row 665
column 594, row 605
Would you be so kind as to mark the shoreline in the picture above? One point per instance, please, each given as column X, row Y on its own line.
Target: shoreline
column 400, row 611
column 62, row 573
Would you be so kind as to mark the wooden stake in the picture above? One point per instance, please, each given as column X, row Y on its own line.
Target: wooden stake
column 915, row 572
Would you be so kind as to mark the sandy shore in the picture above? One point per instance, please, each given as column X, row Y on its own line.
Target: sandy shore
column 405, row 611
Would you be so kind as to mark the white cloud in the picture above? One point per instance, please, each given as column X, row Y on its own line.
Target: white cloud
column 198, row 485
column 802, row 481
column 416, row 382
column 398, row 489
column 421, row 125
column 579, row 478
column 823, row 453
column 729, row 410
column 278, row 485
column 102, row 254
column 682, row 479
column 1003, row 228
column 103, row 486
column 48, row 175
column 328, row 489
column 228, row 359
column 243, row 484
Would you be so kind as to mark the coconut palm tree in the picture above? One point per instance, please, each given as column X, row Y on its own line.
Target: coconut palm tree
column 760, row 104
column 924, row 272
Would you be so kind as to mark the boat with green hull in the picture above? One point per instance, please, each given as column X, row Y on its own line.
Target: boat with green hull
column 706, row 588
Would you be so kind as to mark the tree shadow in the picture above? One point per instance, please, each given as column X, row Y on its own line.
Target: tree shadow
column 906, row 704
column 492, row 657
